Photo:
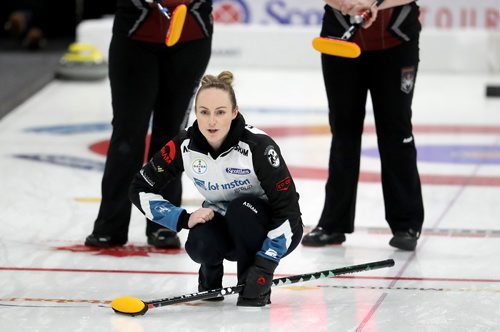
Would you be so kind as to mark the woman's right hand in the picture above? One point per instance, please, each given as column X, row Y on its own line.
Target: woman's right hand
column 200, row 216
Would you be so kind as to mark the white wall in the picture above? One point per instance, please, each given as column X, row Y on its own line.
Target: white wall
column 286, row 46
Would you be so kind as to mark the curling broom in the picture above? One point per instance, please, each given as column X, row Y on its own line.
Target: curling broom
column 132, row 306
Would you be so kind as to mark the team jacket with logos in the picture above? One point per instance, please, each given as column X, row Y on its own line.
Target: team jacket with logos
column 142, row 20
column 248, row 163
column 392, row 27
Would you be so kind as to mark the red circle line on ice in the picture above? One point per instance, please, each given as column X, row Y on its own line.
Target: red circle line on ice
column 318, row 173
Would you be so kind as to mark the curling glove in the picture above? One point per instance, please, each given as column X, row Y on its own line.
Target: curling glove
column 258, row 282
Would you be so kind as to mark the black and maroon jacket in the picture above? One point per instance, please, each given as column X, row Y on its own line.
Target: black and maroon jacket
column 392, row 27
column 142, row 20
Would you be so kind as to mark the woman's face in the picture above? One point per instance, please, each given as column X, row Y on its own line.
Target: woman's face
column 214, row 113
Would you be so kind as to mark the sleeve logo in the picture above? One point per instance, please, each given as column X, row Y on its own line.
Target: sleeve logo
column 284, row 184
column 407, row 79
column 168, row 152
column 272, row 156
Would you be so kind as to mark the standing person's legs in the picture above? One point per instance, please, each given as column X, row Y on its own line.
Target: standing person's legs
column 346, row 91
column 392, row 99
column 181, row 68
column 133, row 73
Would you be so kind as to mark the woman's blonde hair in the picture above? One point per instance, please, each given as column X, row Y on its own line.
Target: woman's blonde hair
column 223, row 81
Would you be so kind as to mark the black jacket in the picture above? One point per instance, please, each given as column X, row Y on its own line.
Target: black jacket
column 143, row 21
column 249, row 162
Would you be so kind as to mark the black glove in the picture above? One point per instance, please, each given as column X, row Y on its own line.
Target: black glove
column 258, row 281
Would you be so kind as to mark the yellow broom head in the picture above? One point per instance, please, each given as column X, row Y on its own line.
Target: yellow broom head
column 176, row 25
column 129, row 306
column 336, row 47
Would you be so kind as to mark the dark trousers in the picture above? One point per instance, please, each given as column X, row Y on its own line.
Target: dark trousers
column 145, row 79
column 237, row 236
column 387, row 75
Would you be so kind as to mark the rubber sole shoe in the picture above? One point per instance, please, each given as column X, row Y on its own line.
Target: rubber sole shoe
column 164, row 238
column 319, row 238
column 405, row 240
column 254, row 302
column 101, row 241
column 218, row 298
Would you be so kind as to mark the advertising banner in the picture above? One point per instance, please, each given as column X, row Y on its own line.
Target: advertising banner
column 440, row 14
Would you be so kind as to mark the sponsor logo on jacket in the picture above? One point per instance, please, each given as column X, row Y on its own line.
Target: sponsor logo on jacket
column 168, row 152
column 251, row 207
column 238, row 171
column 199, row 166
column 284, row 184
column 157, row 168
column 271, row 253
column 272, row 156
column 210, row 186
column 241, row 150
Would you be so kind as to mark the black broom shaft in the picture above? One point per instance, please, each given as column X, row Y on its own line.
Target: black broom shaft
column 333, row 273
column 276, row 282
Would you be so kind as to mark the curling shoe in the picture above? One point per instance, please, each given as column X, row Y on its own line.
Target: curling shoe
column 209, row 278
column 103, row 241
column 405, row 240
column 164, row 239
column 319, row 238
column 260, row 301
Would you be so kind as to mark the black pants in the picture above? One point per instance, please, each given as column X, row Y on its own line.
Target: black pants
column 387, row 75
column 145, row 78
column 237, row 236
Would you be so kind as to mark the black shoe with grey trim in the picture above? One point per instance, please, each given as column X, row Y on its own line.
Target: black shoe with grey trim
column 165, row 239
column 319, row 238
column 102, row 241
column 405, row 240
column 260, row 301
